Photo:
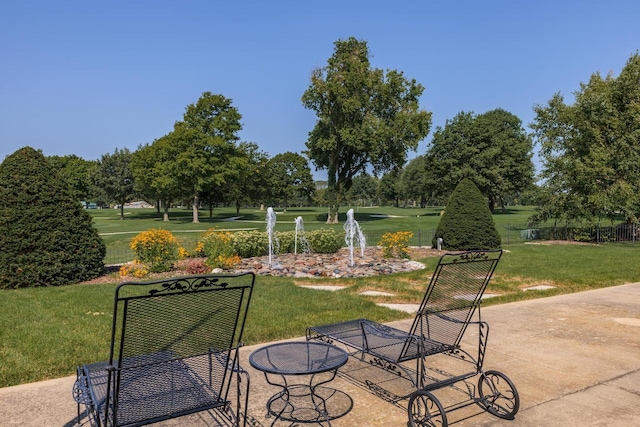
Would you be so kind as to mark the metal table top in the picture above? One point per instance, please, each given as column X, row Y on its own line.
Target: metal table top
column 298, row 358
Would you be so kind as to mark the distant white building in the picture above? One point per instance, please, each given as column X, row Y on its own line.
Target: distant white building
column 139, row 204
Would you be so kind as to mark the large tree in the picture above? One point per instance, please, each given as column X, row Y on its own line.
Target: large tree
column 247, row 178
column 364, row 189
column 206, row 142
column 590, row 149
column 390, row 187
column 152, row 166
column 366, row 116
column 289, row 178
column 491, row 149
column 418, row 181
column 113, row 175
column 77, row 172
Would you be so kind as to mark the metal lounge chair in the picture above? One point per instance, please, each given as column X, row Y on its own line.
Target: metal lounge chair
column 448, row 307
column 174, row 351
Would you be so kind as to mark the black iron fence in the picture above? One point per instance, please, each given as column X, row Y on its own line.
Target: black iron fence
column 514, row 233
column 627, row 233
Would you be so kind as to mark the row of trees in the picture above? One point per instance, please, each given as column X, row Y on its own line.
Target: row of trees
column 491, row 149
column 367, row 121
column 201, row 160
column 591, row 150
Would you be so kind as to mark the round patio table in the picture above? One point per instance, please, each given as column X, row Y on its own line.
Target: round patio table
column 302, row 369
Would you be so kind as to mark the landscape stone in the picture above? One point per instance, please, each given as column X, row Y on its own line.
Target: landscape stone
column 327, row 265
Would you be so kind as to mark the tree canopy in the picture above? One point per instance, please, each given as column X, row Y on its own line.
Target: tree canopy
column 289, row 178
column 198, row 159
column 491, row 149
column 77, row 172
column 206, row 140
column 365, row 117
column 418, row 180
column 246, row 180
column 364, row 190
column 590, row 149
column 152, row 165
column 114, row 176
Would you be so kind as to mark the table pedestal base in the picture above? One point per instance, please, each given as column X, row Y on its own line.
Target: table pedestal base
column 303, row 404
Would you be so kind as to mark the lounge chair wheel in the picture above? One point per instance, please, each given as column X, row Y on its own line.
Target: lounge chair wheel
column 426, row 411
column 498, row 395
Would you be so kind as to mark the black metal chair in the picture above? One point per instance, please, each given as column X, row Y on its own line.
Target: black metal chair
column 450, row 302
column 174, row 351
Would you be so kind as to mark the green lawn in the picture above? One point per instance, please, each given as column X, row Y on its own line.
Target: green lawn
column 46, row 332
column 374, row 221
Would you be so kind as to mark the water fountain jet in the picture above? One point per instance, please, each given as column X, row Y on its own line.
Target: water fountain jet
column 271, row 223
column 353, row 236
column 300, row 233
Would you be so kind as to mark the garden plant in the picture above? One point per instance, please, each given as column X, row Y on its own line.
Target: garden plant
column 467, row 223
column 46, row 237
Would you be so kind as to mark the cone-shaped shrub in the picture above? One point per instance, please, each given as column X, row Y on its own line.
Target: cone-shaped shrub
column 46, row 237
column 467, row 222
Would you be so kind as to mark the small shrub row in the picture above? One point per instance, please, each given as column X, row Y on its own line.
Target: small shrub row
column 256, row 243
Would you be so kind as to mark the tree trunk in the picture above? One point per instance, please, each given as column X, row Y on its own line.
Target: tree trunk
column 165, row 215
column 121, row 210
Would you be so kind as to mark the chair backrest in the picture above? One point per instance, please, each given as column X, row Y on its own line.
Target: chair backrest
column 454, row 293
column 197, row 321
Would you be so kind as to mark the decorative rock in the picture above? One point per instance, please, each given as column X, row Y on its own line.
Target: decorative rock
column 328, row 265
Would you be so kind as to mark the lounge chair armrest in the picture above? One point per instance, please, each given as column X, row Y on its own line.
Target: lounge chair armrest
column 451, row 319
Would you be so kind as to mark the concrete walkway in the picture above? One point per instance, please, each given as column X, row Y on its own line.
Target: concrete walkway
column 575, row 360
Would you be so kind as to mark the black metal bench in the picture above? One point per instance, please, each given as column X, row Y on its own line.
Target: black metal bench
column 174, row 351
column 450, row 302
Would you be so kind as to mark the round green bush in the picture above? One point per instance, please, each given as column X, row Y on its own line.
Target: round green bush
column 46, row 237
column 467, row 222
column 251, row 243
column 325, row 240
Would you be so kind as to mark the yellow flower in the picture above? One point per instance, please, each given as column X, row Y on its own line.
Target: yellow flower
column 397, row 243
column 157, row 247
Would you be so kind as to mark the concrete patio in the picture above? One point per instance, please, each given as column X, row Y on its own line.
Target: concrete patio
column 575, row 360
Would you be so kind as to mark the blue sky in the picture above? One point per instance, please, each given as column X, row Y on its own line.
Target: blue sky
column 85, row 77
